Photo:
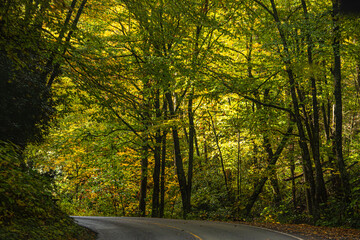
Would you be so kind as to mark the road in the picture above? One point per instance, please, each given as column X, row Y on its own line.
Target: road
column 129, row 228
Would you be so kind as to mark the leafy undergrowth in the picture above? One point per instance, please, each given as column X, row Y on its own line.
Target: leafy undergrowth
column 309, row 232
column 27, row 208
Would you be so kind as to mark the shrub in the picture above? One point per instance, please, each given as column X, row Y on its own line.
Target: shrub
column 27, row 208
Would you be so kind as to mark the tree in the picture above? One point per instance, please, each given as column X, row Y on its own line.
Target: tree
column 338, row 103
column 27, row 53
column 213, row 90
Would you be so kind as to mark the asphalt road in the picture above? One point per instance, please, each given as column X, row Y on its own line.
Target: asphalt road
column 126, row 228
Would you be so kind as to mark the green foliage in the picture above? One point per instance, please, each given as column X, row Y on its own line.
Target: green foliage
column 25, row 96
column 25, row 99
column 90, row 178
column 336, row 213
column 284, row 214
column 27, row 207
column 210, row 199
column 225, row 64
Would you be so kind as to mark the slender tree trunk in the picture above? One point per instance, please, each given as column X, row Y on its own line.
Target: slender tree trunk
column 326, row 113
column 238, row 177
column 156, row 176
column 178, row 159
column 191, row 146
column 308, row 171
column 143, row 182
column 162, row 178
column 338, row 103
column 292, row 170
column 206, row 155
column 163, row 164
column 321, row 194
column 157, row 160
column 196, row 143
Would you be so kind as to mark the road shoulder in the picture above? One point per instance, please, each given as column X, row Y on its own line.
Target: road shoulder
column 309, row 232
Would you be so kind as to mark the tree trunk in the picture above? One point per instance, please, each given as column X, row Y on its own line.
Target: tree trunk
column 196, row 144
column 178, row 159
column 321, row 194
column 206, row 155
column 162, row 178
column 156, row 175
column 238, row 175
column 143, row 183
column 308, row 171
column 191, row 146
column 338, row 104
column 292, row 170
column 157, row 160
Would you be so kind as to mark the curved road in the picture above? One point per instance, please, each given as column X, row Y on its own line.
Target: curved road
column 126, row 228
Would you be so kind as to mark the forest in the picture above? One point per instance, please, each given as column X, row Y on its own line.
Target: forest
column 196, row 109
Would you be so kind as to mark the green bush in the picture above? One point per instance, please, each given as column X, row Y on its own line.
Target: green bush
column 336, row 213
column 27, row 208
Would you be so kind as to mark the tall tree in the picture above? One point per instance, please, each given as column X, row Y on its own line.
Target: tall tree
column 338, row 103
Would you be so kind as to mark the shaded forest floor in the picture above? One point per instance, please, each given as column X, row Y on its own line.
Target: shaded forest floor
column 308, row 232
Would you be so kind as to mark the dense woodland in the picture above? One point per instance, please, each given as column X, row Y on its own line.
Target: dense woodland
column 207, row 109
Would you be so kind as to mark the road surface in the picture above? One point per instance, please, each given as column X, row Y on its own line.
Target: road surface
column 126, row 228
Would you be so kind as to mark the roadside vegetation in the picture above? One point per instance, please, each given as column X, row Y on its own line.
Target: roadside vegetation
column 28, row 209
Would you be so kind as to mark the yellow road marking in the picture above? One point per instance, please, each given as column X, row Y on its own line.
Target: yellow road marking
column 196, row 236
column 168, row 226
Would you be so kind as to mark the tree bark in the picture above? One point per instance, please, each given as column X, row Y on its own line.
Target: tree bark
column 338, row 103
column 308, row 171
column 292, row 171
column 178, row 159
column 163, row 164
column 191, row 146
column 157, row 161
column 238, row 175
column 143, row 181
column 321, row 193
column 162, row 178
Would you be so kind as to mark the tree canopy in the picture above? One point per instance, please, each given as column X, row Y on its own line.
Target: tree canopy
column 219, row 109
